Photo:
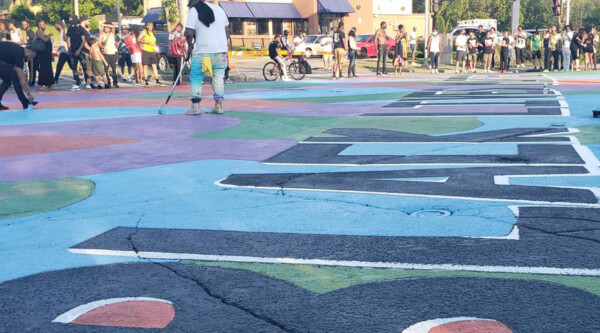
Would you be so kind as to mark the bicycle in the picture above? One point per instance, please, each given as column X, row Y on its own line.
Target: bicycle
column 272, row 70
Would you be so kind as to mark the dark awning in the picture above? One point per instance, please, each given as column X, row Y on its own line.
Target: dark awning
column 334, row 7
column 265, row 10
column 155, row 15
column 260, row 10
column 236, row 9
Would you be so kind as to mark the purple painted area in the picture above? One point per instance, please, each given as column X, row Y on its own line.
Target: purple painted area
column 164, row 140
column 81, row 96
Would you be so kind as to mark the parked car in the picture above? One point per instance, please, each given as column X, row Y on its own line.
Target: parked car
column 313, row 44
column 366, row 45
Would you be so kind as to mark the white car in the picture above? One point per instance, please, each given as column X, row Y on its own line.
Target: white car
column 313, row 45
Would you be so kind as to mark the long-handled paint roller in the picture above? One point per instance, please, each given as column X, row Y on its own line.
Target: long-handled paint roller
column 163, row 109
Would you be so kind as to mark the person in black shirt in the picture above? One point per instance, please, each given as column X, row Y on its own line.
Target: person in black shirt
column 340, row 49
column 504, row 52
column 481, row 35
column 276, row 56
column 76, row 39
column 12, row 57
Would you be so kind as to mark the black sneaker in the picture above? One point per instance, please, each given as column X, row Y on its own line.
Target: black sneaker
column 3, row 108
column 106, row 86
column 115, row 85
column 99, row 88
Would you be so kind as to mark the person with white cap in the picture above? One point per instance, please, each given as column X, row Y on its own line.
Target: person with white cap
column 206, row 35
column 413, row 44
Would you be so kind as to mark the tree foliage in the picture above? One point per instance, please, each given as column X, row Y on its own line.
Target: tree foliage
column 61, row 9
column 21, row 11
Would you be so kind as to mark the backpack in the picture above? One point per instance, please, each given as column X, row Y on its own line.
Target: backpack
column 307, row 68
column 38, row 45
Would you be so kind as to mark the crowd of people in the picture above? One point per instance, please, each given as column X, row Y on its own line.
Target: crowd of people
column 550, row 50
column 26, row 56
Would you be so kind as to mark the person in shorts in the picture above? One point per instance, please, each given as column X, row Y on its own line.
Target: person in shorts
column 327, row 44
column 473, row 46
column 536, row 51
column 136, row 53
column 414, row 39
column 98, row 64
column 147, row 39
column 340, row 49
column 488, row 52
column 461, row 52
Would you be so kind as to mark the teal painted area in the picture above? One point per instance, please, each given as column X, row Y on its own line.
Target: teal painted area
column 430, row 149
column 184, row 196
column 585, row 181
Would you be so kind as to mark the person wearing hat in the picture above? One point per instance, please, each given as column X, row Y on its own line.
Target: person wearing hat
column 108, row 46
column 124, row 55
column 76, row 44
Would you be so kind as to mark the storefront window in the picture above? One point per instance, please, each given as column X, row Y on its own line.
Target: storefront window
column 237, row 26
column 328, row 22
column 250, row 28
column 263, row 27
column 277, row 27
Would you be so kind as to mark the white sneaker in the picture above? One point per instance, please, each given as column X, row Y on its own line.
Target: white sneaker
column 228, row 81
column 218, row 108
column 194, row 110
column 88, row 87
column 75, row 87
column 433, row 71
column 437, row 71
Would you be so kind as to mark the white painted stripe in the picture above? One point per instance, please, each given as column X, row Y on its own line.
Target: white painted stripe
column 444, row 142
column 427, row 164
column 75, row 313
column 425, row 326
column 345, row 263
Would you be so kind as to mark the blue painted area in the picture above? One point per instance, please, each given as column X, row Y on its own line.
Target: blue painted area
column 587, row 181
column 430, row 149
column 84, row 113
column 185, row 196
column 314, row 92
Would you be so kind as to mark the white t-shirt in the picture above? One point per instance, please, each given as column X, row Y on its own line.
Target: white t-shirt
column 567, row 40
column 211, row 39
column 327, row 44
column 511, row 42
column 301, row 47
column 521, row 40
column 413, row 38
column 461, row 43
column 435, row 44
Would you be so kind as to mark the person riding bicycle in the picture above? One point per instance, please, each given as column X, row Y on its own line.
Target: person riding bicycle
column 275, row 54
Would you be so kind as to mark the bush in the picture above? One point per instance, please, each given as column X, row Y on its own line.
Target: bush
column 22, row 12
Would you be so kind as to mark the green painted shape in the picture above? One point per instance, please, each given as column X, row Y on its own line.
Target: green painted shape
column 588, row 135
column 345, row 98
column 323, row 279
column 257, row 126
column 25, row 198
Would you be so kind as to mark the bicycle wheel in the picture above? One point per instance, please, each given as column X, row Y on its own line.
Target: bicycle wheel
column 270, row 71
column 296, row 70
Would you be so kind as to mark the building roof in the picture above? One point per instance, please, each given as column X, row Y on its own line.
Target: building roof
column 155, row 15
column 236, row 9
column 274, row 10
column 334, row 7
column 260, row 10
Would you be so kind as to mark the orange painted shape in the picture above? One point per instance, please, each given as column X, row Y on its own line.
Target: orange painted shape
column 38, row 144
column 471, row 326
column 140, row 314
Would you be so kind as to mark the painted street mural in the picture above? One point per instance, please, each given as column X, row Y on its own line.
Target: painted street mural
column 415, row 205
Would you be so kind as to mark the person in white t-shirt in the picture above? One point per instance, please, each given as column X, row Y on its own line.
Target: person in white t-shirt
column 461, row 51
column 206, row 35
column 511, row 48
column 327, row 44
column 413, row 44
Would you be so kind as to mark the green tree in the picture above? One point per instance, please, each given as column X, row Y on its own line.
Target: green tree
column 22, row 12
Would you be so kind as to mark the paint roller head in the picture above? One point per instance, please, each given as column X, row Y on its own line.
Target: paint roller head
column 162, row 110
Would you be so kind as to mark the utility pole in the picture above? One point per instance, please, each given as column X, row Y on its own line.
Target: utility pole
column 516, row 15
column 568, row 12
column 183, row 11
column 427, row 19
column 119, row 15
column 76, row 7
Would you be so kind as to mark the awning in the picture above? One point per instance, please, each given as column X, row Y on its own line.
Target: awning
column 264, row 10
column 334, row 7
column 260, row 10
column 155, row 15
column 236, row 9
